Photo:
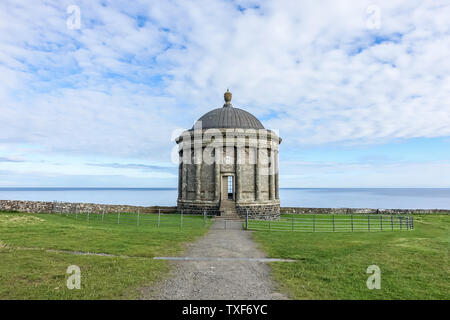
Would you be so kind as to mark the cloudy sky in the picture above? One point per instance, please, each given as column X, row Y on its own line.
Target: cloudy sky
column 359, row 90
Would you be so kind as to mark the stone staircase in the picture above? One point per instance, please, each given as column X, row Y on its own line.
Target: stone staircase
column 228, row 211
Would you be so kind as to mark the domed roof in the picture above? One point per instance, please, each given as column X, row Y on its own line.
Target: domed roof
column 229, row 117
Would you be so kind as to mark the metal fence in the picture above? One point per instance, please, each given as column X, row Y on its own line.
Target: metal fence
column 178, row 220
column 298, row 223
column 333, row 223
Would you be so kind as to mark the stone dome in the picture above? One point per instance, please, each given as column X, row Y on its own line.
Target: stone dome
column 229, row 117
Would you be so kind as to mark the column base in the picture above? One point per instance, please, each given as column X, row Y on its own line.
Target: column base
column 262, row 210
column 198, row 207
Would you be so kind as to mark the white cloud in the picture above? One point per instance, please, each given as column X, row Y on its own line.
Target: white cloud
column 133, row 73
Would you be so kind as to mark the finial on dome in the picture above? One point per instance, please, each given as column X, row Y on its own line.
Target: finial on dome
column 227, row 96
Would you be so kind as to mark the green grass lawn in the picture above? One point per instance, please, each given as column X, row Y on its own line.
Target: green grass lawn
column 414, row 264
column 29, row 271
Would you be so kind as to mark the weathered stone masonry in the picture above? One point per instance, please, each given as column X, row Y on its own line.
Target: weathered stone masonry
column 229, row 145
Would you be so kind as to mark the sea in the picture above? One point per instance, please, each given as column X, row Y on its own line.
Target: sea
column 381, row 198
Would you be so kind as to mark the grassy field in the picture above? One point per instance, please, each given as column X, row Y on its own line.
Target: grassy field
column 29, row 270
column 414, row 264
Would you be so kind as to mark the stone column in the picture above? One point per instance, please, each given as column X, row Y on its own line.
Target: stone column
column 198, row 171
column 277, row 194
column 184, row 178
column 238, row 166
column 272, row 175
column 257, row 177
column 198, row 158
column 217, row 173
column 198, row 181
column 180, row 178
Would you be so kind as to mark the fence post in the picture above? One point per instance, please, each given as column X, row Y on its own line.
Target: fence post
column 204, row 217
column 138, row 219
column 333, row 223
column 401, row 227
column 159, row 216
column 314, row 223
column 60, row 208
column 368, row 222
column 381, row 222
column 225, row 224
column 412, row 222
column 118, row 217
column 103, row 214
column 392, row 223
column 89, row 211
column 352, row 221
column 76, row 212
column 269, row 225
column 292, row 218
column 246, row 219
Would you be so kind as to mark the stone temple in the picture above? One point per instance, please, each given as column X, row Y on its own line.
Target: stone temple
column 229, row 165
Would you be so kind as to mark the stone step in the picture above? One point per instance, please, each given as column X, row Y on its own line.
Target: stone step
column 230, row 204
column 228, row 211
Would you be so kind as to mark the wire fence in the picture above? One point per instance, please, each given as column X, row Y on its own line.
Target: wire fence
column 334, row 223
column 176, row 220
column 293, row 223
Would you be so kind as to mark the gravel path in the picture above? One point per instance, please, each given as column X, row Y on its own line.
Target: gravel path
column 209, row 279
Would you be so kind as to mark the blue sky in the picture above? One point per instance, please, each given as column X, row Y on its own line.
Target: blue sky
column 358, row 90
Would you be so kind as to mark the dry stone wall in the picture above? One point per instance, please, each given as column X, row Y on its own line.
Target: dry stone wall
column 254, row 211
column 300, row 210
column 48, row 207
